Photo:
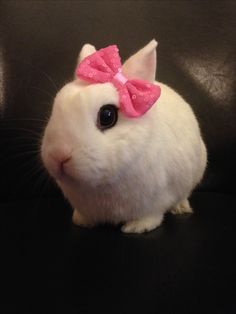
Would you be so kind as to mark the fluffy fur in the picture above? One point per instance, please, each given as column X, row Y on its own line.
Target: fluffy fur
column 134, row 172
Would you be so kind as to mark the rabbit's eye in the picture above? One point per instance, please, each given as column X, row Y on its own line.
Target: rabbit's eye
column 107, row 116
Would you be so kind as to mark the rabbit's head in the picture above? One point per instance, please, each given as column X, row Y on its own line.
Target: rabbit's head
column 88, row 138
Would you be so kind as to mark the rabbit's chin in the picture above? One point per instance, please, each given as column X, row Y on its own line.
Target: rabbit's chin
column 80, row 180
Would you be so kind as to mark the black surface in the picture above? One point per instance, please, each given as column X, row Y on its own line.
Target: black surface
column 185, row 266
column 47, row 264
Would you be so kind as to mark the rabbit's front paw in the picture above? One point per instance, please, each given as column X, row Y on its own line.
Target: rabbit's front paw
column 141, row 225
column 182, row 207
column 79, row 220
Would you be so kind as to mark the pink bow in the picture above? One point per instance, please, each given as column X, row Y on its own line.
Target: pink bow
column 136, row 96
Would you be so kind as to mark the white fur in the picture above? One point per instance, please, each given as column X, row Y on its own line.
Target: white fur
column 132, row 173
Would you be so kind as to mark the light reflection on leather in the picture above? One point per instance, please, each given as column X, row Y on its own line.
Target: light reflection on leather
column 214, row 74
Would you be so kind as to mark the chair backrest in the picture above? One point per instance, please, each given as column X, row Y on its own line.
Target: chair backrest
column 39, row 43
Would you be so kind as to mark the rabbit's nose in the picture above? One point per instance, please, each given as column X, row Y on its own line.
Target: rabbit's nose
column 59, row 159
column 55, row 161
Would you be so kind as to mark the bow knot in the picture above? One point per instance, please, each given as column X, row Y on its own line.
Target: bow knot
column 120, row 77
column 136, row 96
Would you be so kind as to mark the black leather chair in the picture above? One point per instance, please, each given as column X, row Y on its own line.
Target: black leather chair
column 50, row 266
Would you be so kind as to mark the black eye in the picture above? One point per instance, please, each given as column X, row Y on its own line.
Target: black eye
column 107, row 116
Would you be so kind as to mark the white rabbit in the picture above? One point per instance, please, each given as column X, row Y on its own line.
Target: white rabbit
column 133, row 170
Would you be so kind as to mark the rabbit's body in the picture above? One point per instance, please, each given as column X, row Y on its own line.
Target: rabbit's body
column 150, row 164
column 162, row 175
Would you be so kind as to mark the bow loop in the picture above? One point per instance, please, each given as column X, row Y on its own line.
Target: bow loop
column 142, row 94
column 136, row 96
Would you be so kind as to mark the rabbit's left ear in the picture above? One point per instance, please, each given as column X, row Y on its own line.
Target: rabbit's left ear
column 142, row 65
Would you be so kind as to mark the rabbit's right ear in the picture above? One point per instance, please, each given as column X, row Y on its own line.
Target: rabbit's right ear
column 86, row 50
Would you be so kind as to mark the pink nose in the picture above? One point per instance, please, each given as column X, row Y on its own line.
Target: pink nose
column 56, row 160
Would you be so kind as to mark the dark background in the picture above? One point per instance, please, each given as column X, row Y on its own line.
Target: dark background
column 185, row 266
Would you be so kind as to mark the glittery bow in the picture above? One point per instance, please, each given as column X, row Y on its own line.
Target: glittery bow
column 135, row 96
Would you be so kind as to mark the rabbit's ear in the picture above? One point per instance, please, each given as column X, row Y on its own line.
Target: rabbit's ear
column 86, row 50
column 142, row 65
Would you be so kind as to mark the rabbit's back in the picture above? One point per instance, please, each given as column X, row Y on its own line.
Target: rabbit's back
column 181, row 152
